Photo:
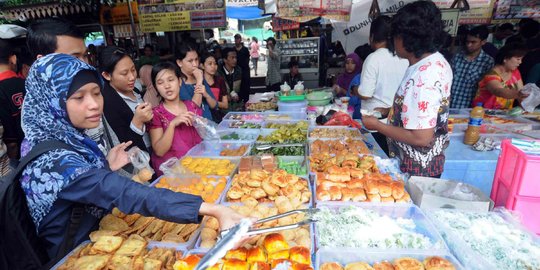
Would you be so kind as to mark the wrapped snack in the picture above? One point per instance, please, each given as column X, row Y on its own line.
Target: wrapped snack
column 141, row 161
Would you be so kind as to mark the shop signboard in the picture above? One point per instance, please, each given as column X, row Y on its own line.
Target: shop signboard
column 242, row 3
column 280, row 24
column 480, row 11
column 304, row 10
column 180, row 15
column 117, row 14
column 450, row 19
column 514, row 10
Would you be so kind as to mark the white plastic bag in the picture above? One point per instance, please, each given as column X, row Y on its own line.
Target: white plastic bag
column 533, row 100
column 207, row 129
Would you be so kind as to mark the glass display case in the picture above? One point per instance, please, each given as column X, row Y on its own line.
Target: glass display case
column 306, row 52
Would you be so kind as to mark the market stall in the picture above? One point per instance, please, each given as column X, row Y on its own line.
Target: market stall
column 272, row 162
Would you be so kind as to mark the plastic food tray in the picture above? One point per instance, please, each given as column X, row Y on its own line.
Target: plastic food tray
column 272, row 116
column 394, row 211
column 292, row 97
column 199, row 250
column 347, row 255
column 298, row 159
column 244, row 135
column 305, row 177
column 173, row 166
column 250, row 116
column 214, row 183
column 311, row 140
column 254, row 148
column 284, row 122
column 212, row 149
column 150, row 246
column 268, row 131
column 354, row 130
column 226, row 124
column 465, row 254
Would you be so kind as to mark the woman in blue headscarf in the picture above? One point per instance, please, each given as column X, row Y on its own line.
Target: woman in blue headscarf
column 63, row 99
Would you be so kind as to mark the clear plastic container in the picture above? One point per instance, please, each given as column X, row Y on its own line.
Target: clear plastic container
column 277, row 123
column 466, row 254
column 246, row 116
column 237, row 135
column 212, row 149
column 194, row 179
column 298, row 159
column 348, row 255
column 298, row 106
column 272, row 116
column 173, row 166
column 334, row 133
column 268, row 131
column 240, row 124
column 423, row 226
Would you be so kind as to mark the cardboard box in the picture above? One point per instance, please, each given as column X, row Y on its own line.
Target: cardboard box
column 437, row 193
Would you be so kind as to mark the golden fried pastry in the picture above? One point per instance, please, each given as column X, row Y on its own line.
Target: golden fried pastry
column 383, row 266
column 145, row 174
column 438, row 263
column 301, row 266
column 256, row 254
column 300, row 254
column 95, row 235
column 152, row 264
column 234, row 264
column 92, row 262
column 359, row 195
column 407, row 263
column 372, row 187
column 253, row 183
column 132, row 247
column 275, row 242
column 106, row 244
column 257, row 193
column 405, row 199
column 398, row 189
column 358, row 266
column 387, row 199
column 212, row 223
column 373, row 198
column 239, row 254
column 235, row 193
column 346, row 195
column 259, row 266
column 119, row 262
column 112, row 223
column 269, row 188
column 305, row 197
column 385, row 190
column 323, row 195
column 356, row 173
column 208, row 243
column 331, row 266
column 357, row 183
column 281, row 254
column 335, row 194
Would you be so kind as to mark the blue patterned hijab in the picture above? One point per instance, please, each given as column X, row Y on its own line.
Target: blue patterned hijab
column 44, row 117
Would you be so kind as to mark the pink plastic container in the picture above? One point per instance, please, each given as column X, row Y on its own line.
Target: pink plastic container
column 516, row 185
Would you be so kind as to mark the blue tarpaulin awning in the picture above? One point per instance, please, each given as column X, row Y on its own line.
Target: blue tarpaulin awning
column 244, row 13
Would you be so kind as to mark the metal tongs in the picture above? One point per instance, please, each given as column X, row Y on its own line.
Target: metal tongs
column 309, row 212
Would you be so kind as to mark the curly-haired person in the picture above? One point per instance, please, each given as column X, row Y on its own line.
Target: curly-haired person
column 417, row 128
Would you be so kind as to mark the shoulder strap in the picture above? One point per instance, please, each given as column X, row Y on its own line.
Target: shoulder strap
column 38, row 150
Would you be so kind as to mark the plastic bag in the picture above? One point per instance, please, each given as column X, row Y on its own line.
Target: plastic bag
column 533, row 100
column 460, row 192
column 141, row 161
column 207, row 129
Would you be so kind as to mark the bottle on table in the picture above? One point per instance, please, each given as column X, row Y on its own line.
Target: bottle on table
column 472, row 134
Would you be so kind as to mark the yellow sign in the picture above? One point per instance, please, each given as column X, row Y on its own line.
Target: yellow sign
column 118, row 14
column 480, row 11
column 180, row 15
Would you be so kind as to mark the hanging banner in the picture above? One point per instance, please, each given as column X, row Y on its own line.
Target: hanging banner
column 180, row 15
column 124, row 31
column 305, row 10
column 242, row 3
column 514, row 10
column 280, row 24
column 119, row 14
column 356, row 32
column 480, row 11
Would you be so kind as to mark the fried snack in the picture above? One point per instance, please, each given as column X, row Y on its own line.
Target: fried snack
column 278, row 255
column 239, row 254
column 358, row 266
column 438, row 263
column 383, row 266
column 300, row 255
column 385, row 190
column 259, row 266
column 256, row 254
column 113, row 223
column 106, row 244
column 234, row 152
column 145, row 174
column 234, row 264
column 95, row 235
column 151, row 264
column 92, row 262
column 275, row 263
column 134, row 246
column 407, row 263
column 274, row 242
column 331, row 266
column 300, row 266
column 118, row 262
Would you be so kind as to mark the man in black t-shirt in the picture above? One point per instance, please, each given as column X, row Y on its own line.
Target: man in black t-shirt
column 11, row 99
column 243, row 56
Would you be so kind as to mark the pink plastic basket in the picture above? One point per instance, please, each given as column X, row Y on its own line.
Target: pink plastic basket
column 516, row 185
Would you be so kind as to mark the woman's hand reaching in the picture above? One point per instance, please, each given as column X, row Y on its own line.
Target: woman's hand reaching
column 118, row 157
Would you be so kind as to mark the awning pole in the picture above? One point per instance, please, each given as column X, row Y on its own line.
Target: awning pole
column 133, row 29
